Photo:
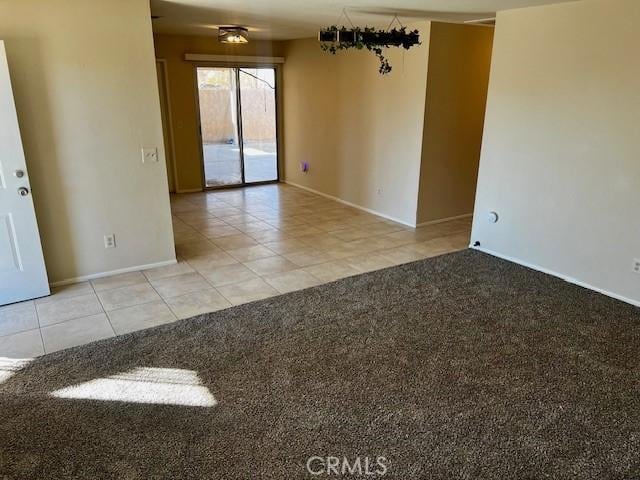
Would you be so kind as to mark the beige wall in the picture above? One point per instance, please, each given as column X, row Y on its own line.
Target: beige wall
column 87, row 99
column 183, row 96
column 459, row 62
column 560, row 158
column 360, row 131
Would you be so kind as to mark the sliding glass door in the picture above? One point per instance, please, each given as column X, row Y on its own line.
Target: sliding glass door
column 259, row 136
column 238, row 125
column 218, row 99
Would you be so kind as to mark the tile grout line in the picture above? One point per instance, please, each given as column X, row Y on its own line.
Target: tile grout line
column 75, row 318
column 103, row 309
column 35, row 308
column 164, row 301
column 218, row 291
column 162, row 298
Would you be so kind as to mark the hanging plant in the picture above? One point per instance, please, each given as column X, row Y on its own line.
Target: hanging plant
column 334, row 39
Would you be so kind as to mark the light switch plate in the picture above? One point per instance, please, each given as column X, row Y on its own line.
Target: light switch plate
column 149, row 155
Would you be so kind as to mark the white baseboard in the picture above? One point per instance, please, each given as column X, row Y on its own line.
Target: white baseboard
column 443, row 220
column 84, row 278
column 189, row 190
column 558, row 275
column 349, row 204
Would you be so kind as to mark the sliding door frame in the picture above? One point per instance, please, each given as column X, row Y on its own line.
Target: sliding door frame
column 237, row 66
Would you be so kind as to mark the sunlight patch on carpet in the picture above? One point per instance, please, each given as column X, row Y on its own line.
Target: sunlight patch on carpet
column 10, row 366
column 162, row 386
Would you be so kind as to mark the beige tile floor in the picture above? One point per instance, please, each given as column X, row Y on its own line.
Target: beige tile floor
column 233, row 246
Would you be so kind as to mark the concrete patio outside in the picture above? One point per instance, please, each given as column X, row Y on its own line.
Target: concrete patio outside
column 222, row 164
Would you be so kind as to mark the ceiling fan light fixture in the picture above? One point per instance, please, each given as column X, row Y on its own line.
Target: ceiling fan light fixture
column 235, row 35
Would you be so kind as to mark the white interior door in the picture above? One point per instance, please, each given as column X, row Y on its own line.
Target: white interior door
column 22, row 271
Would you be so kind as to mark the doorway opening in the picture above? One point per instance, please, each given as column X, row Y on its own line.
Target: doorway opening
column 167, row 128
column 238, row 125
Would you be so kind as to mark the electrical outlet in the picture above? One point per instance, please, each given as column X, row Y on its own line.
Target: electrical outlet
column 380, row 191
column 110, row 241
column 149, row 155
column 636, row 265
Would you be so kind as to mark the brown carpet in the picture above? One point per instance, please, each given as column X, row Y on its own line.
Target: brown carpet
column 458, row 367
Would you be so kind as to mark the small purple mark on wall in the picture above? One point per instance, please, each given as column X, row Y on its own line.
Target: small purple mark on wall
column 304, row 167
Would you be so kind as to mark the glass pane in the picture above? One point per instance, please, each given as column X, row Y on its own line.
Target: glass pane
column 258, row 97
column 219, row 124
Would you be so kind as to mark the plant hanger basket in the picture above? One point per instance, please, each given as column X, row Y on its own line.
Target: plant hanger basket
column 334, row 39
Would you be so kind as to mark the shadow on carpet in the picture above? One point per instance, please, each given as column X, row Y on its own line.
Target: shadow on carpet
column 462, row 366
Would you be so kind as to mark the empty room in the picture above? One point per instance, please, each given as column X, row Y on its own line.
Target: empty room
column 319, row 240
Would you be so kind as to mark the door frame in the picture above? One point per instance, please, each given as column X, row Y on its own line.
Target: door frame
column 166, row 92
column 238, row 65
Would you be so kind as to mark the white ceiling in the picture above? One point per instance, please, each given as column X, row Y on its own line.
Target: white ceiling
column 288, row 19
